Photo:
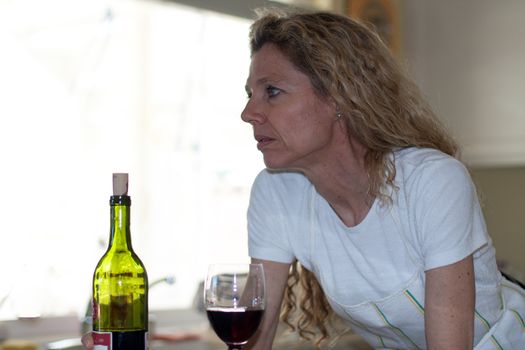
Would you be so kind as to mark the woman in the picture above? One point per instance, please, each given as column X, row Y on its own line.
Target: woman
column 363, row 203
column 363, row 190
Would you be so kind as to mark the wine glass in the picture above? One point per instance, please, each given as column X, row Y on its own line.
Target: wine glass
column 234, row 298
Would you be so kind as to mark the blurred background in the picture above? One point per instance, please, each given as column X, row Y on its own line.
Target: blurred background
column 155, row 89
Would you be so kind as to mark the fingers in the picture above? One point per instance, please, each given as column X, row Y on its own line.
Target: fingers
column 87, row 340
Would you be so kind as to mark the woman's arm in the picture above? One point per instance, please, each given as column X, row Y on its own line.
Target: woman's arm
column 276, row 277
column 449, row 306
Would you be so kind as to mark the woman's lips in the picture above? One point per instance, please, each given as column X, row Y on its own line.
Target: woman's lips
column 263, row 141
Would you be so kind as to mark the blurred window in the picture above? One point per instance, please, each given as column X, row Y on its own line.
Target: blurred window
column 95, row 87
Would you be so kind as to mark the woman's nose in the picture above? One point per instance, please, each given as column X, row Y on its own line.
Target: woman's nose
column 251, row 114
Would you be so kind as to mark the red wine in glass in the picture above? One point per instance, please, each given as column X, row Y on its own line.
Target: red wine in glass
column 234, row 326
column 235, row 301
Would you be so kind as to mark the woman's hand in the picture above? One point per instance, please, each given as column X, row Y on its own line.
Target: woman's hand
column 449, row 306
column 87, row 341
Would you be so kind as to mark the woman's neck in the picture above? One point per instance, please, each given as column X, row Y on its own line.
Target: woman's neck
column 343, row 181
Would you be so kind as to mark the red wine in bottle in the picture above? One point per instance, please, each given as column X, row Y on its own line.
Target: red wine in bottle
column 120, row 283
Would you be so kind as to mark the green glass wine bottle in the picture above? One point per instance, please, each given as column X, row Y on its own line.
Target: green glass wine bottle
column 120, row 283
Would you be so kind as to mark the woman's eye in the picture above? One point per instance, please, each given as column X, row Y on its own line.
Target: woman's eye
column 272, row 91
column 248, row 92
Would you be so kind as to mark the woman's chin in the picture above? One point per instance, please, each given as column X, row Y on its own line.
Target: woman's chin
column 277, row 165
column 271, row 166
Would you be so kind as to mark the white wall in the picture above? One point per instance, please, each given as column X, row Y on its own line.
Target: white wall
column 469, row 58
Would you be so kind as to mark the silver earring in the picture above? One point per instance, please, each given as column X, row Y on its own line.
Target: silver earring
column 338, row 116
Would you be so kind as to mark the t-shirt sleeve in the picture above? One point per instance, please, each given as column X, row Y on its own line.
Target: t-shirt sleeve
column 449, row 218
column 267, row 232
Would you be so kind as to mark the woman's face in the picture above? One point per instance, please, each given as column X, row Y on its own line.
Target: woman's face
column 293, row 127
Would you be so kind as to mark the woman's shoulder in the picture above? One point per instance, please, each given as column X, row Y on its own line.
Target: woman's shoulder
column 279, row 189
column 415, row 161
column 419, row 155
column 429, row 174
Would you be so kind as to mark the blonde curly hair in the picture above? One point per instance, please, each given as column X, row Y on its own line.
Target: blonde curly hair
column 383, row 109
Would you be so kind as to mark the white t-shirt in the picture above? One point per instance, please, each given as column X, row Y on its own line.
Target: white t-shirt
column 373, row 273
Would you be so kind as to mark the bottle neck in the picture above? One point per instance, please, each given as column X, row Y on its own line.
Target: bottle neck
column 120, row 236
